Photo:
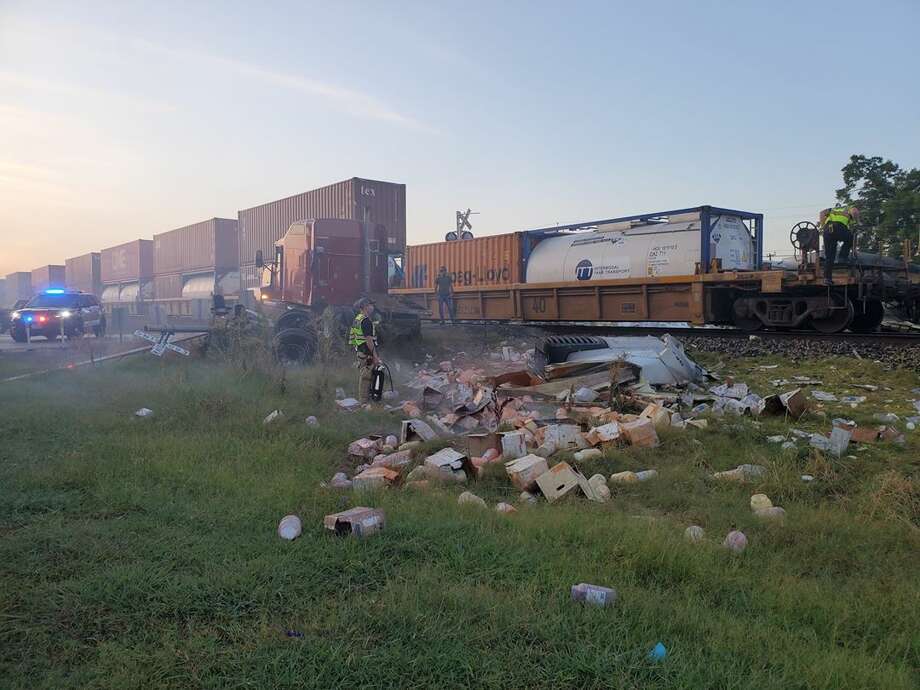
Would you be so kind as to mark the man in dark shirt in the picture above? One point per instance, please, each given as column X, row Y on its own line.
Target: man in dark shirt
column 444, row 288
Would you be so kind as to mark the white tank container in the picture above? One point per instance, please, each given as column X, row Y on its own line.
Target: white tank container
column 621, row 251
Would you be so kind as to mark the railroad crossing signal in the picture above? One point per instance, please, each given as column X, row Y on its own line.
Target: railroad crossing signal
column 161, row 343
column 463, row 220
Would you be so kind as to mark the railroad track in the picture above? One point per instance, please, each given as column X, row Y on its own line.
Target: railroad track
column 887, row 337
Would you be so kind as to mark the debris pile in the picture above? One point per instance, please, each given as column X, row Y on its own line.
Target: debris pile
column 536, row 417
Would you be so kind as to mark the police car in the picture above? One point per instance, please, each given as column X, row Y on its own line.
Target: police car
column 56, row 312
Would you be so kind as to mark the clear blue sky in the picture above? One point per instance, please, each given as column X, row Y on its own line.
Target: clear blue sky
column 118, row 120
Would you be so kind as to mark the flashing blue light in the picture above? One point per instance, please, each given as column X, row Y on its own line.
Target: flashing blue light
column 54, row 291
column 28, row 319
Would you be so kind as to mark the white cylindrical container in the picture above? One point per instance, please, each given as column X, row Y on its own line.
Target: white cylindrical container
column 664, row 249
column 290, row 527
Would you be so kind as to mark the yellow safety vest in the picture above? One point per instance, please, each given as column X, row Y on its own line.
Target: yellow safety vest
column 356, row 337
column 841, row 215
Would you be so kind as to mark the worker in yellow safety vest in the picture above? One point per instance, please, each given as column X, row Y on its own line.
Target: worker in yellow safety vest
column 835, row 223
column 363, row 337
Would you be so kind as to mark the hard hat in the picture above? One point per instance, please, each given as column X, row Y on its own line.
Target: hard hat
column 363, row 302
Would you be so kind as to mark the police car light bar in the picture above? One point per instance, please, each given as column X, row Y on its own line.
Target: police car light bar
column 54, row 291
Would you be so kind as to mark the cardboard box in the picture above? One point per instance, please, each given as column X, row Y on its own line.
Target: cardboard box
column 416, row 430
column 660, row 417
column 608, row 433
column 449, row 464
column 513, row 445
column 477, row 444
column 374, row 478
column 524, row 471
column 865, row 434
column 365, row 448
column 558, row 481
column 564, row 437
column 360, row 521
column 640, row 432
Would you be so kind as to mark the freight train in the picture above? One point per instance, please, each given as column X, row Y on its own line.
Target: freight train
column 701, row 265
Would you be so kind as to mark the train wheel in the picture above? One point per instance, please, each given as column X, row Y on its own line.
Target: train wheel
column 867, row 319
column 744, row 320
column 834, row 320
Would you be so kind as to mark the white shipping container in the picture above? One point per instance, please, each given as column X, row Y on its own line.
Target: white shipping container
column 617, row 251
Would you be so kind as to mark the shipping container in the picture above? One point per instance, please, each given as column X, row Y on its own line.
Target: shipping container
column 85, row 273
column 129, row 262
column 51, row 276
column 18, row 286
column 683, row 265
column 167, row 286
column 491, row 260
column 211, row 245
column 370, row 201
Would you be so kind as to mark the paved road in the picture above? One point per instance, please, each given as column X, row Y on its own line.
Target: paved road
column 7, row 344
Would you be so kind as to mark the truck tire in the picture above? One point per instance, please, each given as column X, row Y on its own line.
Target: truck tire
column 294, row 345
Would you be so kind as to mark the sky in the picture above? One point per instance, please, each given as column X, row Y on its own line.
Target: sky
column 120, row 120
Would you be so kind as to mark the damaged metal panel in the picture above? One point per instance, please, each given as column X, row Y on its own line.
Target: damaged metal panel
column 662, row 360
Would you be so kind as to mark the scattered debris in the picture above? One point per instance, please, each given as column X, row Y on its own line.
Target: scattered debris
column 807, row 478
column 772, row 513
column 588, row 454
column 524, row 471
column 359, row 521
column 640, row 432
column 742, row 473
column 469, row 498
column 348, row 404
column 290, row 527
column 759, row 501
column 527, row 497
column 595, row 595
column 144, row 412
column 624, row 478
column 274, row 416
column 312, row 421
column 658, row 653
column 694, row 534
column 449, row 465
column 735, row 541
column 416, row 430
column 374, row 478
column 505, row 508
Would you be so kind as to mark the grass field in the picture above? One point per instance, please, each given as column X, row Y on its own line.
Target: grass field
column 142, row 552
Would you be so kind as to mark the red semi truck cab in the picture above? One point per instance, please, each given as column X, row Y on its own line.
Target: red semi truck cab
column 328, row 262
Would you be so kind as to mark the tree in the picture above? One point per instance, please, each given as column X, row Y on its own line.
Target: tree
column 888, row 198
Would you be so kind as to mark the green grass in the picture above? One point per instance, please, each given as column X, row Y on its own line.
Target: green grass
column 142, row 552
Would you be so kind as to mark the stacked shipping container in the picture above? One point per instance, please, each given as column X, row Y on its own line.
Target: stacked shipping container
column 127, row 271
column 368, row 201
column 197, row 259
column 18, row 286
column 45, row 277
column 85, row 273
